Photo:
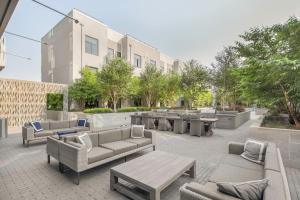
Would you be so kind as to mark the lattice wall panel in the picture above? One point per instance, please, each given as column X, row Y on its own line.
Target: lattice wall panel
column 24, row 101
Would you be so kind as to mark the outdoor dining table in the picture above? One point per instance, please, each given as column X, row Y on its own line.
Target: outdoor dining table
column 208, row 125
column 179, row 125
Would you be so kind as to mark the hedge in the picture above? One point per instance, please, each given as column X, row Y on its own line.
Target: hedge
column 98, row 110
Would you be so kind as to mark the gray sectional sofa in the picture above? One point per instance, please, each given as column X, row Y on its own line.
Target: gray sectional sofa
column 51, row 128
column 234, row 168
column 107, row 146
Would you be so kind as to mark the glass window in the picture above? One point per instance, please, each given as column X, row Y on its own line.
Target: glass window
column 110, row 53
column 153, row 62
column 91, row 45
column 119, row 54
column 93, row 69
column 137, row 62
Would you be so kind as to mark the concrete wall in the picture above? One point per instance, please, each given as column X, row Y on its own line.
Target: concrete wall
column 232, row 120
column 287, row 140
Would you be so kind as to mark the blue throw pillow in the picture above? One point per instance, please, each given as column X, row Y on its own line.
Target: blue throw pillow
column 37, row 126
column 81, row 122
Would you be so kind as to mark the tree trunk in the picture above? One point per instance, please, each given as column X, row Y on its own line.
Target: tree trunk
column 290, row 109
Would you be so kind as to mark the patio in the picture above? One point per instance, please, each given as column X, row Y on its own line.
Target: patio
column 25, row 174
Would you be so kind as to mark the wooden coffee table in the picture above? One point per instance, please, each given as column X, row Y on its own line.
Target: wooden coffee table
column 150, row 173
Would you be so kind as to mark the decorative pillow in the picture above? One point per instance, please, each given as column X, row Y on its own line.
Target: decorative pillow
column 81, row 122
column 37, row 126
column 251, row 190
column 255, row 151
column 85, row 140
column 137, row 131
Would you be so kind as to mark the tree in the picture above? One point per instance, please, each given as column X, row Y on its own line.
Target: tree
column 194, row 80
column 85, row 89
column 151, row 84
column 134, row 89
column 271, row 68
column 170, row 90
column 114, row 79
column 224, row 76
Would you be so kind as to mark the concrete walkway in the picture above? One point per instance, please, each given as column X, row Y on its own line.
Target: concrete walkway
column 25, row 174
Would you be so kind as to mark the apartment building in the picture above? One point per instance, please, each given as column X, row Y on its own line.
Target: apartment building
column 2, row 53
column 90, row 43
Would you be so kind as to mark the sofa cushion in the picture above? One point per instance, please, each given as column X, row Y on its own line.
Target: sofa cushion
column 229, row 173
column 85, row 140
column 80, row 128
column 119, row 146
column 98, row 153
column 209, row 190
column 59, row 124
column 251, row 190
column 254, row 151
column 45, row 125
column 37, row 126
column 110, row 136
column 43, row 133
column 137, row 131
column 275, row 189
column 272, row 162
column 236, row 160
column 271, row 148
column 73, row 123
column 126, row 133
column 95, row 139
column 139, row 141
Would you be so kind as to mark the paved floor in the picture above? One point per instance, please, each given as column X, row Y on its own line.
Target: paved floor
column 25, row 174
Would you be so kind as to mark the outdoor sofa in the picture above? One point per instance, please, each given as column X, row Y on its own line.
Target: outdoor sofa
column 234, row 168
column 106, row 146
column 52, row 128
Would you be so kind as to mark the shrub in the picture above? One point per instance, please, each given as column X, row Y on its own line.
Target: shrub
column 55, row 101
column 144, row 109
column 128, row 109
column 98, row 110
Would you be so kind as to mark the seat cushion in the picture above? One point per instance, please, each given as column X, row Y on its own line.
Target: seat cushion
column 275, row 189
column 236, row 160
column 59, row 124
column 229, row 173
column 43, row 133
column 98, row 153
column 139, row 141
column 110, row 136
column 209, row 190
column 119, row 146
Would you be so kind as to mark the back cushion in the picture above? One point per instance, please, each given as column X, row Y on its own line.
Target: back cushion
column 271, row 148
column 59, row 125
column 95, row 139
column 272, row 161
column 110, row 136
column 126, row 133
column 275, row 188
column 73, row 123
column 45, row 125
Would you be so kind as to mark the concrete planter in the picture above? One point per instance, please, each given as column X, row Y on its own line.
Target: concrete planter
column 55, row 115
column 231, row 119
column 288, row 141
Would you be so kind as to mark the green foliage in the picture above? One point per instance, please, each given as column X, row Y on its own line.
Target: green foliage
column 85, row 89
column 271, row 68
column 204, row 99
column 151, row 83
column 194, row 80
column 114, row 79
column 98, row 110
column 170, row 90
column 55, row 101
column 134, row 109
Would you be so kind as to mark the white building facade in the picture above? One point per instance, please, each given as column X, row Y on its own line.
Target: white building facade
column 2, row 53
column 90, row 43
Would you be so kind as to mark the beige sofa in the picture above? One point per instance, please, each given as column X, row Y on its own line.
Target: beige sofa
column 51, row 128
column 234, row 168
column 107, row 146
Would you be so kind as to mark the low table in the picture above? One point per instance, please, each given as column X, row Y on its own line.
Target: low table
column 66, row 132
column 151, row 173
column 209, row 122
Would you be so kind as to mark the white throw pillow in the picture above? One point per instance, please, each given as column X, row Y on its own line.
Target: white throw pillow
column 86, row 141
column 255, row 151
column 137, row 131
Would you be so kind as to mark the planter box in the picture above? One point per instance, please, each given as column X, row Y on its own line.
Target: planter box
column 288, row 141
column 231, row 119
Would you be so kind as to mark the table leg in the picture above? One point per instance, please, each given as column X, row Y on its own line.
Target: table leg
column 113, row 181
column 192, row 171
column 210, row 131
column 155, row 195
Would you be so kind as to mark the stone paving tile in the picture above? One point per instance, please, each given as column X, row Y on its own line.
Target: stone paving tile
column 25, row 174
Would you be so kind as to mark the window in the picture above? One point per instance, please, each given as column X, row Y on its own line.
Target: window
column 93, row 69
column 137, row 62
column 153, row 62
column 119, row 54
column 91, row 45
column 110, row 53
